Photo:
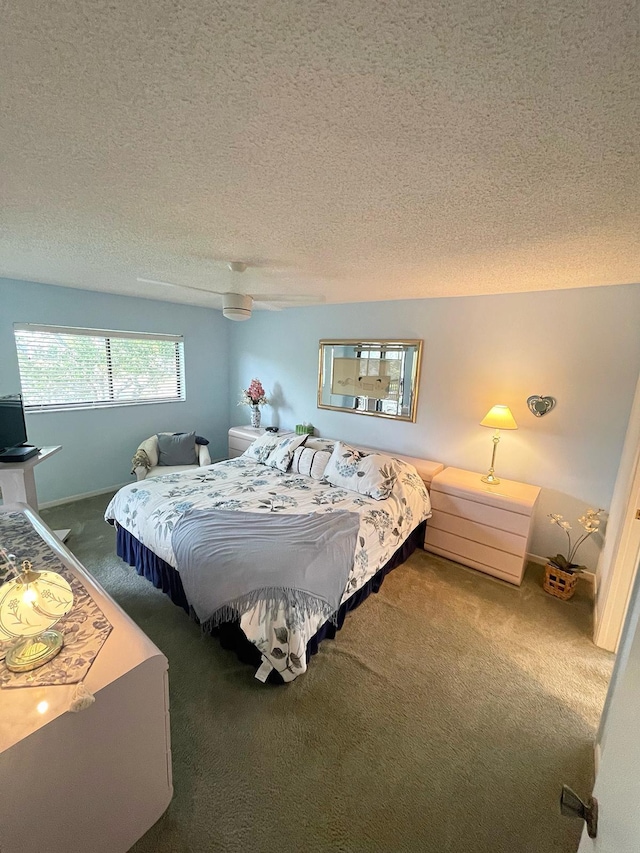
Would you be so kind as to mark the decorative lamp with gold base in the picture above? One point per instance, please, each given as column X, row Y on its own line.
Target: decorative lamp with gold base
column 499, row 417
column 30, row 604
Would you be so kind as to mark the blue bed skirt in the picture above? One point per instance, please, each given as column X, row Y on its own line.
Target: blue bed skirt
column 165, row 577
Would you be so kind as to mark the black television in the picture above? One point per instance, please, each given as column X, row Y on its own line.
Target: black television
column 13, row 430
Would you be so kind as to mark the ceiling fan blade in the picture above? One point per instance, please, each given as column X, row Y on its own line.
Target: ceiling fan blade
column 179, row 286
column 293, row 298
column 268, row 306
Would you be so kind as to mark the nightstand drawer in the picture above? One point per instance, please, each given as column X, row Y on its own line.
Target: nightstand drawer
column 476, row 531
column 242, row 437
column 237, row 446
column 512, row 522
column 461, row 550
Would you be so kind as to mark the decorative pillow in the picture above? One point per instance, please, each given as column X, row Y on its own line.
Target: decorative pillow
column 310, row 462
column 177, row 449
column 262, row 447
column 320, row 443
column 372, row 474
column 282, row 454
column 199, row 439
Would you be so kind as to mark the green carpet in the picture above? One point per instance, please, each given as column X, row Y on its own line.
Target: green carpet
column 444, row 717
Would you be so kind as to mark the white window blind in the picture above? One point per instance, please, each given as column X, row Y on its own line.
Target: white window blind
column 67, row 368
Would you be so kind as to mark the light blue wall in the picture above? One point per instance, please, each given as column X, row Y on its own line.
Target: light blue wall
column 98, row 443
column 580, row 346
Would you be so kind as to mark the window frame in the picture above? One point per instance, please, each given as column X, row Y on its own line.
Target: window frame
column 107, row 335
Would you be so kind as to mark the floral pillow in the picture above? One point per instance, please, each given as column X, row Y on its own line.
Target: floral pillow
column 372, row 474
column 316, row 443
column 262, row 447
column 282, row 454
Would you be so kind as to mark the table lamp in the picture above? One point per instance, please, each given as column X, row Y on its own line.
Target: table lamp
column 30, row 604
column 498, row 417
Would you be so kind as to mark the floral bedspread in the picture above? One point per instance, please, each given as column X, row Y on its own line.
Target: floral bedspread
column 149, row 510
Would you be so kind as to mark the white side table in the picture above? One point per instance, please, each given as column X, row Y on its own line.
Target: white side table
column 482, row 526
column 241, row 437
column 17, row 480
column 18, row 483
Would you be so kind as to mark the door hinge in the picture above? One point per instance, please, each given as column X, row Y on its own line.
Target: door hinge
column 572, row 806
column 638, row 514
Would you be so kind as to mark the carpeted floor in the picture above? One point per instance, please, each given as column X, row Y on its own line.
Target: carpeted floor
column 444, row 717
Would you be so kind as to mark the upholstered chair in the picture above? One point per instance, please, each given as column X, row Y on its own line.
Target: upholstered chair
column 148, row 458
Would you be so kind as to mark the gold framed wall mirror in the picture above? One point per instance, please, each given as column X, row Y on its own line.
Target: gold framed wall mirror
column 370, row 377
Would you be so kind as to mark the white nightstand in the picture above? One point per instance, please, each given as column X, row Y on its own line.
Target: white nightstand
column 240, row 438
column 485, row 527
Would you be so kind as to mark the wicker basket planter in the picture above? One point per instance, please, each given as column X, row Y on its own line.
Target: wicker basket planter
column 558, row 583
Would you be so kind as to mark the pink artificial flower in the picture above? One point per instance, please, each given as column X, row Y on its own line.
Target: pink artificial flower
column 255, row 390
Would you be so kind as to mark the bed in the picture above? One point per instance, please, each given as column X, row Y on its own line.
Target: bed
column 275, row 491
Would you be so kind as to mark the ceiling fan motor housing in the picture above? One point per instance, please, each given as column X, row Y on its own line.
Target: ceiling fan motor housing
column 236, row 306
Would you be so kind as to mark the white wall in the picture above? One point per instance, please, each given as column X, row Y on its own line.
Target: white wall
column 98, row 443
column 580, row 346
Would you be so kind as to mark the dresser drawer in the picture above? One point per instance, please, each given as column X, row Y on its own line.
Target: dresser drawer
column 475, row 531
column 503, row 519
column 475, row 554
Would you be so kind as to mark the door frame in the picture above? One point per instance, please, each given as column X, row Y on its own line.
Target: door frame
column 619, row 558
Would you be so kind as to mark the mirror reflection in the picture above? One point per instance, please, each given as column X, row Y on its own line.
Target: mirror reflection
column 377, row 378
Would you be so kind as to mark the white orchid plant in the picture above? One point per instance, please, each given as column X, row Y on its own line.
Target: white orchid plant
column 590, row 522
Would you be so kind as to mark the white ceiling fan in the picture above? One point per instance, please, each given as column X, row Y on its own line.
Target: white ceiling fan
column 238, row 306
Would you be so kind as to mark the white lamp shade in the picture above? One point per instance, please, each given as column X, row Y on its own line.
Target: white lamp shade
column 499, row 417
column 27, row 610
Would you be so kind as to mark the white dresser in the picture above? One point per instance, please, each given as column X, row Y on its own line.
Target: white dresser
column 98, row 779
column 240, row 438
column 485, row 527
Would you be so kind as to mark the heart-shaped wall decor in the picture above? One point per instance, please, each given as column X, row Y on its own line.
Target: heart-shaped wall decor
column 540, row 406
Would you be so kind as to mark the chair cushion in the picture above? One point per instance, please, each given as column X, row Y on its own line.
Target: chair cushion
column 177, row 449
column 162, row 470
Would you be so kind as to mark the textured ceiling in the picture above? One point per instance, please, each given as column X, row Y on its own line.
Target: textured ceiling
column 357, row 149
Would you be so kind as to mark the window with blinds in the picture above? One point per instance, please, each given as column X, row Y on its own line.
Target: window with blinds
column 67, row 368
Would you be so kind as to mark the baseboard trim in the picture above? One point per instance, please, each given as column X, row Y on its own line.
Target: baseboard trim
column 72, row 498
column 542, row 561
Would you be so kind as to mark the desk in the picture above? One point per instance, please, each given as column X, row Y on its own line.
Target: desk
column 98, row 779
column 17, row 480
column 18, row 483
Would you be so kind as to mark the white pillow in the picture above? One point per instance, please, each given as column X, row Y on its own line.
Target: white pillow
column 282, row 454
column 372, row 474
column 262, row 447
column 310, row 462
column 320, row 443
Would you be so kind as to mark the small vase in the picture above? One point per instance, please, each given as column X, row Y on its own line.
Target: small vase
column 255, row 416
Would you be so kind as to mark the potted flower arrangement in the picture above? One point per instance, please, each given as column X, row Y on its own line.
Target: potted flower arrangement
column 254, row 396
column 561, row 573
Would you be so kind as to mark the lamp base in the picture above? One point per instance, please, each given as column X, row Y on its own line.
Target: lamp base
column 490, row 479
column 32, row 652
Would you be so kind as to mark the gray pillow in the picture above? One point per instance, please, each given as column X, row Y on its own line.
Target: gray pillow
column 177, row 449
